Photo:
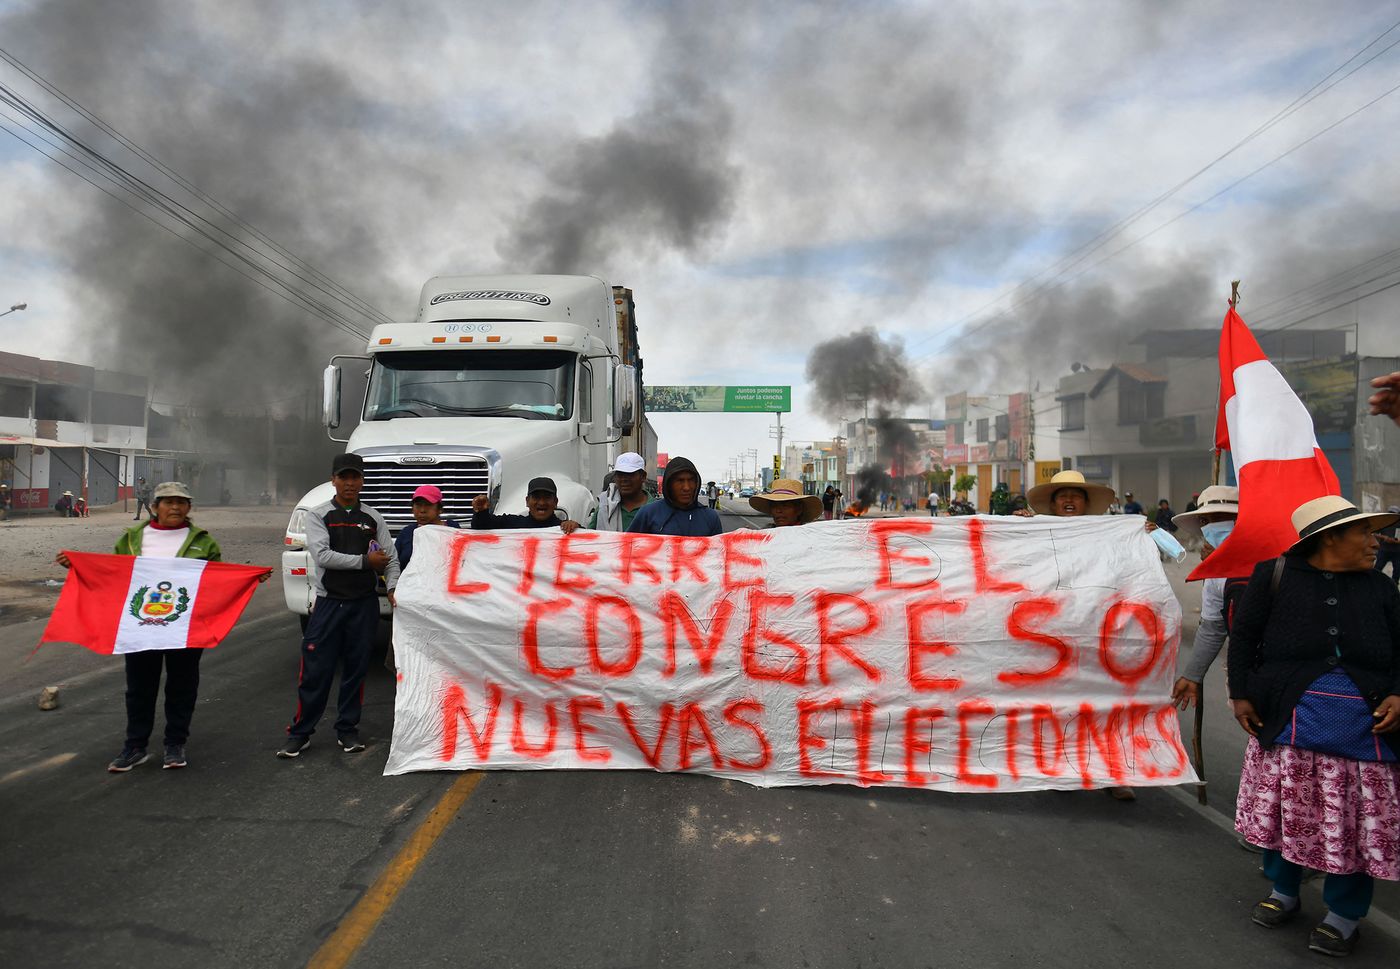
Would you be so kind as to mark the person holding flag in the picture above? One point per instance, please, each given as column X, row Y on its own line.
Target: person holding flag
column 1314, row 673
column 169, row 533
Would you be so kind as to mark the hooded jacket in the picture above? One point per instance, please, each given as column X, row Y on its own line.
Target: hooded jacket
column 667, row 517
column 198, row 544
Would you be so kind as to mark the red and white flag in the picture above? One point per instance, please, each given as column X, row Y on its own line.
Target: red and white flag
column 127, row 604
column 1272, row 443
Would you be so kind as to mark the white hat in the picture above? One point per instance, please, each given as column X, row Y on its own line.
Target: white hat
column 1099, row 496
column 1333, row 511
column 628, row 462
column 1215, row 500
column 788, row 489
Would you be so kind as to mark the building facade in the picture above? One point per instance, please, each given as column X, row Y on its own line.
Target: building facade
column 65, row 427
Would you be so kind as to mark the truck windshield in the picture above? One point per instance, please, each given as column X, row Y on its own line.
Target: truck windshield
column 530, row 384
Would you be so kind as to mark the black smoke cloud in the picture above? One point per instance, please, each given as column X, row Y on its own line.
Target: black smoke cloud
column 850, row 372
column 1090, row 324
column 658, row 179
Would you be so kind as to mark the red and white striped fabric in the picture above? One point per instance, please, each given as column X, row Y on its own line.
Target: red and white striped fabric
column 128, row 604
column 1272, row 443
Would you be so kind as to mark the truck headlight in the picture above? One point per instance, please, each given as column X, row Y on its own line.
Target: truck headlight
column 296, row 531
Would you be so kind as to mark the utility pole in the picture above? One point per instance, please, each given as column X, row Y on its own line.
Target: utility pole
column 778, row 433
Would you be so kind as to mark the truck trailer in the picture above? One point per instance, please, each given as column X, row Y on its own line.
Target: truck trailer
column 499, row 379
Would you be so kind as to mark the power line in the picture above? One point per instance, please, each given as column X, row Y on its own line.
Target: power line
column 184, row 183
column 1062, row 266
column 15, row 128
column 269, row 267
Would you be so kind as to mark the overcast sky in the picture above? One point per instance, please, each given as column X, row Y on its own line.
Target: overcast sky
column 763, row 176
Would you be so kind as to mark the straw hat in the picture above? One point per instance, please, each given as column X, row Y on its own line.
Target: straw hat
column 1215, row 500
column 786, row 489
column 1333, row 511
column 1100, row 496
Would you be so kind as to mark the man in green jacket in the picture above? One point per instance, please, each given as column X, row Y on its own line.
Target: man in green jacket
column 169, row 533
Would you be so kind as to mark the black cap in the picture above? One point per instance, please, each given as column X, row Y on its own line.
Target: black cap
column 347, row 462
column 542, row 484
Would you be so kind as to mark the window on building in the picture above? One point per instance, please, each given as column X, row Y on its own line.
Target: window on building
column 1138, row 402
column 982, row 423
column 1003, row 427
column 1072, row 413
column 14, row 400
column 122, row 409
column 59, row 402
column 956, row 433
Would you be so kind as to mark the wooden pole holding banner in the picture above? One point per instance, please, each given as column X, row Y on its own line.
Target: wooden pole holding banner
column 1196, row 742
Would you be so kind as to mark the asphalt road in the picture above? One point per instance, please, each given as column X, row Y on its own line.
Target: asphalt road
column 243, row 860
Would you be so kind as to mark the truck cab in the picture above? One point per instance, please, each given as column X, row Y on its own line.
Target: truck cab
column 498, row 380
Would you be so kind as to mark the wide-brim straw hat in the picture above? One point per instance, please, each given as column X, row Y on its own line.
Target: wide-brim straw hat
column 1333, row 511
column 1215, row 500
column 1039, row 497
column 786, row 489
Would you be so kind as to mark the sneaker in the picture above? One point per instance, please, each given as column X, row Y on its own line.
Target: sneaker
column 1330, row 941
column 350, row 743
column 174, row 757
column 129, row 757
column 294, row 746
column 1270, row 913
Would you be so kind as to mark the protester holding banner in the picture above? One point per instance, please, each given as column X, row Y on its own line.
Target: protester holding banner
column 621, row 500
column 1069, row 495
column 427, row 510
column 168, row 534
column 1216, row 510
column 541, row 501
column 1314, row 671
column 349, row 545
column 679, row 511
column 787, row 505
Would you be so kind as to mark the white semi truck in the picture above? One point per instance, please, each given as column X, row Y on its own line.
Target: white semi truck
column 498, row 380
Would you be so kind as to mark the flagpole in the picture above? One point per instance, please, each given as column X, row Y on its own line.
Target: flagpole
column 1196, row 743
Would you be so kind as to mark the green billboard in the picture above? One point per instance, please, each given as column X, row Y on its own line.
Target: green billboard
column 712, row 398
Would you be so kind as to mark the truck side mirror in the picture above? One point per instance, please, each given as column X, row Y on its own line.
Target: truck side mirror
column 330, row 397
column 624, row 397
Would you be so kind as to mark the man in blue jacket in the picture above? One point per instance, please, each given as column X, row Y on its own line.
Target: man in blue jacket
column 678, row 512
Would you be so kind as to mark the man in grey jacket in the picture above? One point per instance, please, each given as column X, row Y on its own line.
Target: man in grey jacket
column 621, row 500
column 348, row 545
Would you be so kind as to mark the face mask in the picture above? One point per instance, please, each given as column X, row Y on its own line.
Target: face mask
column 1217, row 532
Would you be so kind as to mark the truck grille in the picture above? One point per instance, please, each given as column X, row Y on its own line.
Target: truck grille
column 389, row 488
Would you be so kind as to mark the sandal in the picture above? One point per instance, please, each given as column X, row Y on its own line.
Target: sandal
column 1122, row 794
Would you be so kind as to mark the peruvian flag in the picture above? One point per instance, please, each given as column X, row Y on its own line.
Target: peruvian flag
column 127, row 604
column 1270, row 437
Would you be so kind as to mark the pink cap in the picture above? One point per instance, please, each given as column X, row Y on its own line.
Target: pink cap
column 429, row 493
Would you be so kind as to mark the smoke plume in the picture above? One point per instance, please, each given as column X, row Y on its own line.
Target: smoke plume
column 659, row 179
column 849, row 373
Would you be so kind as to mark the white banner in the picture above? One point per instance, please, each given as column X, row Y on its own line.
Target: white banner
column 969, row 654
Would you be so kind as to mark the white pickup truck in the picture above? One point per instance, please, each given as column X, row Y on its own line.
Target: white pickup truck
column 499, row 379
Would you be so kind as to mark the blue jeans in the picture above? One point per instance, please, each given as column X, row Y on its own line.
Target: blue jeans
column 1347, row 895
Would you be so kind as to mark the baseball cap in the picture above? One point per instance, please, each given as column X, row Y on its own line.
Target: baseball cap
column 629, row 461
column 542, row 484
column 430, row 493
column 347, row 462
column 171, row 489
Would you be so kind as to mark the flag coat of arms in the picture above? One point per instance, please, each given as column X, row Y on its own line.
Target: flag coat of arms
column 129, row 604
column 1273, row 445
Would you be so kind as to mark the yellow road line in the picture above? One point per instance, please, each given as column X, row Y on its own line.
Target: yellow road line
column 337, row 951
